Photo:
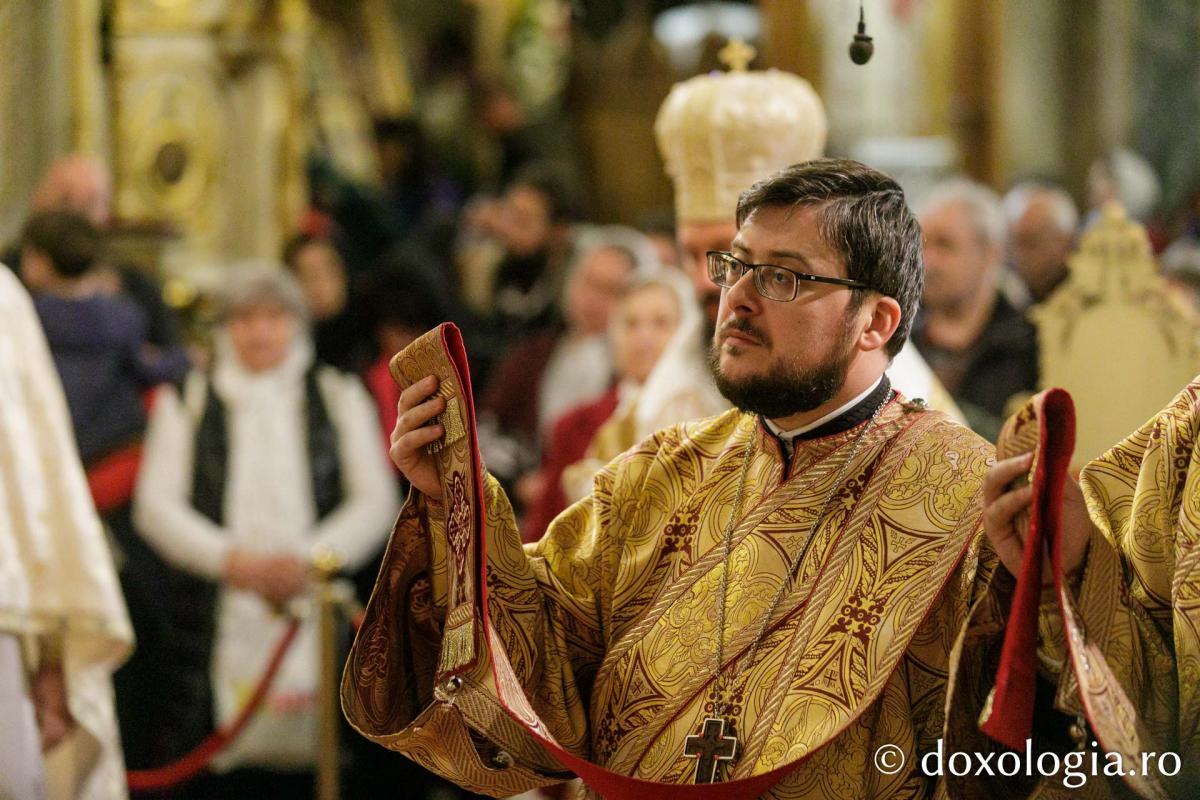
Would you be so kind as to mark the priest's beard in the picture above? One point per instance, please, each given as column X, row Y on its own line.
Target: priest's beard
column 785, row 389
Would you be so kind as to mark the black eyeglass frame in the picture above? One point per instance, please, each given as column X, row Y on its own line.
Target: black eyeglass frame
column 716, row 257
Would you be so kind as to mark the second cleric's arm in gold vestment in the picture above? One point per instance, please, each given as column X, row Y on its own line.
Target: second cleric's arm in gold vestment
column 610, row 620
column 1137, row 613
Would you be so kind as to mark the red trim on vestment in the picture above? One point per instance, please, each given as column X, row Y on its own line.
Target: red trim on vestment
column 1010, row 721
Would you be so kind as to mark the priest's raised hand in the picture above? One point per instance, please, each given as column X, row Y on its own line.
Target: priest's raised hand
column 412, row 434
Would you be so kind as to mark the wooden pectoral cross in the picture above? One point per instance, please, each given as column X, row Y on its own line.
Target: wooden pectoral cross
column 710, row 747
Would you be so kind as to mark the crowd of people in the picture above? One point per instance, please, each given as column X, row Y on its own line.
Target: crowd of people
column 221, row 470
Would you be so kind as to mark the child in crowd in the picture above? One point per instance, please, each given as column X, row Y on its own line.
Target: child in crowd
column 98, row 341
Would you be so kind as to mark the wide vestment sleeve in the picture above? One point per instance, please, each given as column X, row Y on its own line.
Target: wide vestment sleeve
column 547, row 606
column 1139, row 603
column 1127, row 667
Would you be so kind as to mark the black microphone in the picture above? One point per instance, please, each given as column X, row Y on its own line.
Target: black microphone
column 862, row 48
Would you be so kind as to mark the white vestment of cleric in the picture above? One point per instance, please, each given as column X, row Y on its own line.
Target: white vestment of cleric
column 57, row 577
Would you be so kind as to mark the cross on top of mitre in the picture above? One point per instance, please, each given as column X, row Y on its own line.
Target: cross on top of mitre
column 737, row 55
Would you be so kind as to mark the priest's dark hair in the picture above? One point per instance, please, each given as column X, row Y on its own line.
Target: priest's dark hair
column 864, row 218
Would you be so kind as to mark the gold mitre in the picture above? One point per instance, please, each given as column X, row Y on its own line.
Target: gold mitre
column 721, row 132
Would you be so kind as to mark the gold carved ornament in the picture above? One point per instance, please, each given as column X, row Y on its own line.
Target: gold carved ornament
column 1113, row 335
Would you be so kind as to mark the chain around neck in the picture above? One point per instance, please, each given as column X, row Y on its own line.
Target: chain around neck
column 720, row 681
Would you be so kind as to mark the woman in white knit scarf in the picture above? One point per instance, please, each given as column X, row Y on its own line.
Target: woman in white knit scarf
column 270, row 528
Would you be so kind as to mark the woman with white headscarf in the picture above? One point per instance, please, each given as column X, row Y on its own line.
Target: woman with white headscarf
column 251, row 471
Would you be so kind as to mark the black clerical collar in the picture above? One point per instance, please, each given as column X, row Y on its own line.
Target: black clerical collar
column 856, row 414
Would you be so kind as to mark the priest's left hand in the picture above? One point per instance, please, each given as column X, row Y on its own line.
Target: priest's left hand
column 49, row 692
column 1001, row 506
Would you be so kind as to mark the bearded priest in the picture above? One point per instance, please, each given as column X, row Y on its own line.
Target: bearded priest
column 748, row 605
column 718, row 134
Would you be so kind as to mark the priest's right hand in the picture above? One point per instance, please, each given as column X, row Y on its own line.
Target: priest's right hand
column 411, row 436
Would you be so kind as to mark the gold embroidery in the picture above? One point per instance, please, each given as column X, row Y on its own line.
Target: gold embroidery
column 451, row 419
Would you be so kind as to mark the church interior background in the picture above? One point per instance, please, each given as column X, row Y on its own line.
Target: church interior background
column 209, row 110
column 225, row 122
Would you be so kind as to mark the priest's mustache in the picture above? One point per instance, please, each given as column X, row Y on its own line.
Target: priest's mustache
column 743, row 326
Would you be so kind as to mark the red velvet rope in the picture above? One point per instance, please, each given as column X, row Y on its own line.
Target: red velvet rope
column 195, row 762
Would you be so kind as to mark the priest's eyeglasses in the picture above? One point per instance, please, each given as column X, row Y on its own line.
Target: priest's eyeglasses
column 773, row 282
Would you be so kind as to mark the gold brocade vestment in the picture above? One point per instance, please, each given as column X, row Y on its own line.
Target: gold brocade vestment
column 609, row 621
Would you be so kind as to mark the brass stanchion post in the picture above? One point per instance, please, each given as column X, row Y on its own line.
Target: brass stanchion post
column 328, row 761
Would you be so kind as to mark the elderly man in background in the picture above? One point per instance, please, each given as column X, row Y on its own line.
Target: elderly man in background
column 1042, row 220
column 982, row 349
column 63, row 624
